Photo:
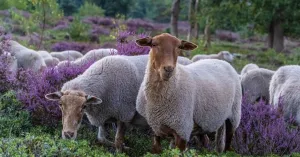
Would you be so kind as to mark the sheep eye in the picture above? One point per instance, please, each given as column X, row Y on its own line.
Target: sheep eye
column 153, row 45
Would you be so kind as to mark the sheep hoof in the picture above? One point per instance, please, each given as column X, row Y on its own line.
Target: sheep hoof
column 122, row 148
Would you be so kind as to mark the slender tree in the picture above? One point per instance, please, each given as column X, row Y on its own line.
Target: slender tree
column 174, row 17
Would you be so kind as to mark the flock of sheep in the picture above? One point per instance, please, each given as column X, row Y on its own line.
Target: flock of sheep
column 173, row 96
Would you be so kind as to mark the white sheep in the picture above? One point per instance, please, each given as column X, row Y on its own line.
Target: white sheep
column 59, row 56
column 255, row 84
column 175, row 98
column 49, row 60
column 92, row 55
column 73, row 55
column 248, row 68
column 284, row 89
column 114, row 79
column 26, row 58
column 222, row 55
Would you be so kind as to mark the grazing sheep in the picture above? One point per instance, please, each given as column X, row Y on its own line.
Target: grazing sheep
column 248, row 68
column 44, row 54
column 26, row 58
column 72, row 54
column 284, row 89
column 174, row 99
column 114, row 79
column 59, row 56
column 255, row 84
column 92, row 55
column 223, row 55
column 49, row 60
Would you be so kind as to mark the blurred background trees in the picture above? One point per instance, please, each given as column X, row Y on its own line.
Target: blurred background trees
column 277, row 19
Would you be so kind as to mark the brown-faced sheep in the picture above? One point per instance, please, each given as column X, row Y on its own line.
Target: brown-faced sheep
column 175, row 98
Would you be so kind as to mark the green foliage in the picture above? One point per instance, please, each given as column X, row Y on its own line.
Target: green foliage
column 14, row 121
column 78, row 30
column 112, row 8
column 47, row 145
column 19, row 4
column 90, row 9
column 27, row 25
column 46, row 11
column 69, row 7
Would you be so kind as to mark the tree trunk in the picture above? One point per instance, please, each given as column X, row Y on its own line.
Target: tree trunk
column 196, row 21
column 276, row 36
column 191, row 18
column 207, row 37
column 174, row 17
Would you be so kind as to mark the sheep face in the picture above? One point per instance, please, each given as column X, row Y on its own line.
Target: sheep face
column 165, row 49
column 72, row 105
column 227, row 56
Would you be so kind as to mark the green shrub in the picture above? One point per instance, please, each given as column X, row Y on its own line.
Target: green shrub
column 19, row 4
column 78, row 30
column 14, row 121
column 47, row 145
column 90, row 9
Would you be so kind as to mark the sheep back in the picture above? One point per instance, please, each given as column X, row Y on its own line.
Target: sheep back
column 255, row 84
column 283, row 89
column 114, row 79
column 248, row 68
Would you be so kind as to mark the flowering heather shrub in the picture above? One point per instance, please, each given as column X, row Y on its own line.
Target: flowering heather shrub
column 135, row 24
column 78, row 46
column 98, row 30
column 104, row 21
column 263, row 131
column 126, row 44
column 32, row 88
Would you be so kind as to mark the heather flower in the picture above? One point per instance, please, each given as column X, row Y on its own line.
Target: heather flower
column 263, row 130
column 126, row 43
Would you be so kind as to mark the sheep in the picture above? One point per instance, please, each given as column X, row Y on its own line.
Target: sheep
column 174, row 98
column 248, row 68
column 255, row 84
column 223, row 55
column 59, row 56
column 49, row 60
column 92, row 55
column 115, row 80
column 284, row 87
column 72, row 54
column 26, row 58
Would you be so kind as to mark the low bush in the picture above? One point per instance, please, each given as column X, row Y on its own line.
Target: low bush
column 14, row 120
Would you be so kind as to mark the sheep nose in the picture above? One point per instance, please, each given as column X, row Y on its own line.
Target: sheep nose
column 168, row 69
column 69, row 134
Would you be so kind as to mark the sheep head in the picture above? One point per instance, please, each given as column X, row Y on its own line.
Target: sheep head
column 227, row 56
column 72, row 105
column 165, row 49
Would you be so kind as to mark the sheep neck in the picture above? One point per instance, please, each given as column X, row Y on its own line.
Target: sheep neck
column 154, row 82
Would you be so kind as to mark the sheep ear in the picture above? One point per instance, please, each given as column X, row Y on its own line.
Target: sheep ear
column 54, row 96
column 92, row 100
column 185, row 45
column 144, row 41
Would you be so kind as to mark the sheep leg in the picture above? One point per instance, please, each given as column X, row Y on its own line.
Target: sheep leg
column 119, row 139
column 229, row 135
column 172, row 144
column 156, row 145
column 202, row 140
column 179, row 142
column 101, row 137
column 220, row 140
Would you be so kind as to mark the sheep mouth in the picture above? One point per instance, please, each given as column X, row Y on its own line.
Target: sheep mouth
column 167, row 76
